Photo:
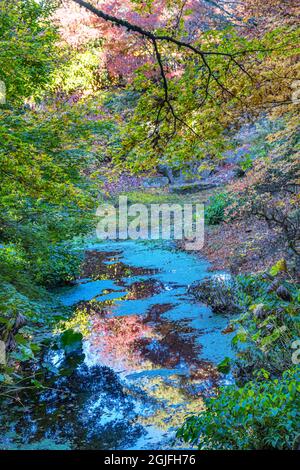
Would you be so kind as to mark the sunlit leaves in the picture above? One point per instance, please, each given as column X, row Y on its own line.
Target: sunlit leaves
column 263, row 414
column 27, row 47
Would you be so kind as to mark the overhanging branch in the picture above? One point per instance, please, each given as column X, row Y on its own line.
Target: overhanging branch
column 157, row 38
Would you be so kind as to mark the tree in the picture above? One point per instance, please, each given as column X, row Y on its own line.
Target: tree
column 27, row 47
column 194, row 83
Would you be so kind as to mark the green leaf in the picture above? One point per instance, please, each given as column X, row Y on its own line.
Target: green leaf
column 71, row 341
column 278, row 267
column 224, row 366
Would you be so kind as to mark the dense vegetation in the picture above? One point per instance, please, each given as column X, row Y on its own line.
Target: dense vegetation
column 90, row 98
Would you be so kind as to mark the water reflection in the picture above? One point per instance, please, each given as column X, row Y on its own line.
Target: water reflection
column 138, row 342
column 148, row 355
column 100, row 265
column 150, row 336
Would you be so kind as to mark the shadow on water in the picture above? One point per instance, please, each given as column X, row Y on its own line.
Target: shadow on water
column 150, row 354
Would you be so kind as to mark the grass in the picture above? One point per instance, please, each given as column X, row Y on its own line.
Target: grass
column 155, row 196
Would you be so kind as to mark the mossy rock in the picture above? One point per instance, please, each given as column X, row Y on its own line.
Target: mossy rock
column 218, row 292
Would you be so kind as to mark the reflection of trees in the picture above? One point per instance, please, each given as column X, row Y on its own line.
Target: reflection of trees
column 73, row 414
column 143, row 289
column 113, row 340
column 95, row 266
column 146, row 342
column 139, row 342
column 173, row 404
column 80, row 321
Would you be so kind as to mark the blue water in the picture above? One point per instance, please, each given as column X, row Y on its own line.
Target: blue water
column 150, row 354
column 177, row 270
column 177, row 342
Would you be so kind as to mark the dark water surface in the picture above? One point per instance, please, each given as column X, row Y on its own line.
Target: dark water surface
column 150, row 354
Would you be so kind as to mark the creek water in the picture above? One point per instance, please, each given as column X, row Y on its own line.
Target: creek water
column 150, row 354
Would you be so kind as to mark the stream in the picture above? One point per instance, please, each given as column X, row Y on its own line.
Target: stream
column 150, row 354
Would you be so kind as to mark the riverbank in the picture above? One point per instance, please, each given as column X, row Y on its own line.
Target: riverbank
column 240, row 246
column 264, row 287
column 132, row 353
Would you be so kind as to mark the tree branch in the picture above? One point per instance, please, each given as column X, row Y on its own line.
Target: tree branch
column 155, row 39
column 148, row 34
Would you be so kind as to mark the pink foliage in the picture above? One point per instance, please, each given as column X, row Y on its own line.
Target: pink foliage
column 123, row 52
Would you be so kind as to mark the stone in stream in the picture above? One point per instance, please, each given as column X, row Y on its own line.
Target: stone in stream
column 218, row 292
column 185, row 175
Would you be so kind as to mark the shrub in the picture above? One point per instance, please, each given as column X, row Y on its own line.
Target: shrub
column 264, row 414
column 59, row 264
column 269, row 325
column 215, row 212
column 246, row 162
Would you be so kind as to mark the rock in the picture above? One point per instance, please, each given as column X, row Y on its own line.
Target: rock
column 220, row 293
column 228, row 329
column 284, row 294
column 204, row 174
column 185, row 175
column 239, row 172
column 166, row 171
column 155, row 182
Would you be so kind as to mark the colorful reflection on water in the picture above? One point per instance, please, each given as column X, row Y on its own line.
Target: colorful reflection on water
column 149, row 330
column 150, row 353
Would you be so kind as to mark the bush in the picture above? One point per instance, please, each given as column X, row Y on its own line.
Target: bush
column 58, row 265
column 215, row 212
column 269, row 325
column 264, row 414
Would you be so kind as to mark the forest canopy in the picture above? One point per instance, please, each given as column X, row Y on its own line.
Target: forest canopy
column 99, row 97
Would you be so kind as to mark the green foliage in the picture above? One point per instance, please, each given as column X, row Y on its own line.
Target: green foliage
column 224, row 366
column 246, row 162
column 261, row 411
column 215, row 211
column 79, row 72
column 264, row 414
column 13, row 303
column 206, row 104
column 278, row 267
column 152, row 197
column 22, row 300
column 46, row 199
column 60, row 263
column 49, row 152
column 267, row 328
column 27, row 47
column 71, row 342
